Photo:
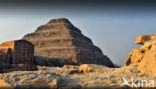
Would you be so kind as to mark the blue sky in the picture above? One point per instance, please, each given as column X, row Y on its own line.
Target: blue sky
column 113, row 28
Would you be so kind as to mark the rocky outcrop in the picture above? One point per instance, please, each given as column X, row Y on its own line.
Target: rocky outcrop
column 59, row 70
column 29, row 80
column 137, row 55
column 83, row 68
column 145, row 38
column 148, row 64
column 60, row 39
column 87, row 68
column 17, row 52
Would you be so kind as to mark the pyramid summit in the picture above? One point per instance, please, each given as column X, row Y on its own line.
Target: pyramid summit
column 58, row 24
column 59, row 38
column 60, row 20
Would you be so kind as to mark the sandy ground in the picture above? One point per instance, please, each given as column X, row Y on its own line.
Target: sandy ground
column 72, row 79
column 108, row 78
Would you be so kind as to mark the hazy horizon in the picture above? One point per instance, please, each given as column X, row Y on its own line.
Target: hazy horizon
column 112, row 26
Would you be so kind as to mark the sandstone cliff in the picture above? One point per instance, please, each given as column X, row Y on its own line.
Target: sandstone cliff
column 60, row 39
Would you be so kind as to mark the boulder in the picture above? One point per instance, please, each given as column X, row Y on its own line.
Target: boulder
column 60, row 39
column 87, row 68
column 137, row 55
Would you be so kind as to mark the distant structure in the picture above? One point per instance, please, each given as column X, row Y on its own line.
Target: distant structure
column 17, row 52
column 59, row 38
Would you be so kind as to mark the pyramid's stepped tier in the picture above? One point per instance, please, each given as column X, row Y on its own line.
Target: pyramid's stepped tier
column 57, row 34
column 60, row 39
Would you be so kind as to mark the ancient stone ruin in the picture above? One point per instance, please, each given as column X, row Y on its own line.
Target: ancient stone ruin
column 60, row 39
column 17, row 52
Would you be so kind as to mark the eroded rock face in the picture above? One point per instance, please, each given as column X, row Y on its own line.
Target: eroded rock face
column 17, row 52
column 140, row 54
column 60, row 39
column 148, row 64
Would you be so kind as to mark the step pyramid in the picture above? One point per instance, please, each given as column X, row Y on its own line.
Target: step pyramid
column 59, row 38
